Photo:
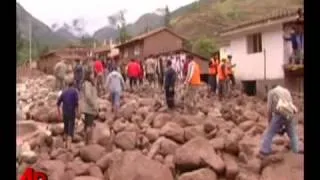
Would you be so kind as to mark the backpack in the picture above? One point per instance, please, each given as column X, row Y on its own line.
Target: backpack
column 286, row 109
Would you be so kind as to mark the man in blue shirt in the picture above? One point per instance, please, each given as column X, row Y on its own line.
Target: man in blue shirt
column 70, row 108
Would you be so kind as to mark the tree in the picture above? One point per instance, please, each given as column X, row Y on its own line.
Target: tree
column 165, row 12
column 118, row 21
column 204, row 47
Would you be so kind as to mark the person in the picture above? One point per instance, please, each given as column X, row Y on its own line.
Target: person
column 221, row 78
column 133, row 73
column 169, row 84
column 141, row 72
column 193, row 81
column 277, row 97
column 90, row 106
column 115, row 84
column 212, row 78
column 78, row 74
column 159, row 71
column 230, row 70
column 99, row 75
column 296, row 42
column 123, row 71
column 70, row 109
column 150, row 70
column 60, row 71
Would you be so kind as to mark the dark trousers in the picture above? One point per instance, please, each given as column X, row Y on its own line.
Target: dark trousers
column 169, row 92
column 88, row 120
column 124, row 77
column 232, row 79
column 78, row 84
column 212, row 79
column 132, row 81
column 221, row 87
column 69, row 122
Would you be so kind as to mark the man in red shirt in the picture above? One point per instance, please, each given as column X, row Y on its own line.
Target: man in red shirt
column 99, row 71
column 133, row 72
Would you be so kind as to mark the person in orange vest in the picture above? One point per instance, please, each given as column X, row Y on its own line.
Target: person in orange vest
column 230, row 71
column 222, row 76
column 212, row 78
column 193, row 82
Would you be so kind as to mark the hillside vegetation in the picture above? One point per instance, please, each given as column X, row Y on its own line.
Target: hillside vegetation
column 208, row 17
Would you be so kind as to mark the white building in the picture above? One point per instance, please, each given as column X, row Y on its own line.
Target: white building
column 259, row 50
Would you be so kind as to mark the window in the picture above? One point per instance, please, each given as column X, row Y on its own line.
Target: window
column 126, row 53
column 136, row 50
column 254, row 43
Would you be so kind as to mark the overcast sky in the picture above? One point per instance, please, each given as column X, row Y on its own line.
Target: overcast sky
column 94, row 12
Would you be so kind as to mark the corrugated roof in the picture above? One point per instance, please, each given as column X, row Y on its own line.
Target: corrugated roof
column 150, row 33
column 279, row 14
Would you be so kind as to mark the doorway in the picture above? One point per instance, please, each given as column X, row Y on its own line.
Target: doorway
column 249, row 87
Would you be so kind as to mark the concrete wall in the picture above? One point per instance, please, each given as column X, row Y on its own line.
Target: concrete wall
column 251, row 66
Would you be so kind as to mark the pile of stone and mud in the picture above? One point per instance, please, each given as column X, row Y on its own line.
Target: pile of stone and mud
column 146, row 141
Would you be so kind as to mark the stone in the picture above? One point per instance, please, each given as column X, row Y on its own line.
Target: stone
column 217, row 143
column 245, row 126
column 105, row 160
column 200, row 174
column 91, row 153
column 152, row 134
column 160, row 120
column 173, row 131
column 232, row 168
column 86, row 178
column 126, row 140
column 132, row 165
column 95, row 171
column 191, row 132
column 196, row 152
column 78, row 167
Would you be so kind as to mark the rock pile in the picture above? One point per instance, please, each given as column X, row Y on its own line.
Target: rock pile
column 148, row 142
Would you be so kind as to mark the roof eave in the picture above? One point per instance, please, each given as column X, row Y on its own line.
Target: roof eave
column 266, row 23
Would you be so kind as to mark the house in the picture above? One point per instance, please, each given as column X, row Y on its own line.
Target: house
column 259, row 52
column 153, row 42
column 48, row 60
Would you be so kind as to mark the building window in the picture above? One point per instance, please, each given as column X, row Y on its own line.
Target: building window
column 254, row 43
column 126, row 53
column 136, row 50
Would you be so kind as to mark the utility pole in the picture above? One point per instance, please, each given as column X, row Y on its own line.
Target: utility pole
column 30, row 43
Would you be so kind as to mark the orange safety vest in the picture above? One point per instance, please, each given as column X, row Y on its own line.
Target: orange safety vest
column 221, row 72
column 213, row 68
column 195, row 79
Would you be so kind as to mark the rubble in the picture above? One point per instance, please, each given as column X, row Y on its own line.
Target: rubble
column 146, row 141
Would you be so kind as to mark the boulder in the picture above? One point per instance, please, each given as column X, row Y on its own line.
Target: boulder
column 232, row 168
column 91, row 153
column 95, row 171
column 53, row 168
column 105, row 160
column 132, row 165
column 128, row 109
column 152, row 134
column 200, row 174
column 191, row 132
column 160, row 120
column 126, row 140
column 173, row 131
column 78, row 167
column 86, row 178
column 196, row 153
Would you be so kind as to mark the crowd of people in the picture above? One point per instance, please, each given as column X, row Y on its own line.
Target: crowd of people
column 94, row 77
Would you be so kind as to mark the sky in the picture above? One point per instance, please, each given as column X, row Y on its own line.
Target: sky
column 94, row 12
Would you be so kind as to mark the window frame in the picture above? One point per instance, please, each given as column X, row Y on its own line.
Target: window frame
column 254, row 43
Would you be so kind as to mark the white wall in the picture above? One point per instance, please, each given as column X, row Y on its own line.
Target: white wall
column 224, row 51
column 251, row 66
